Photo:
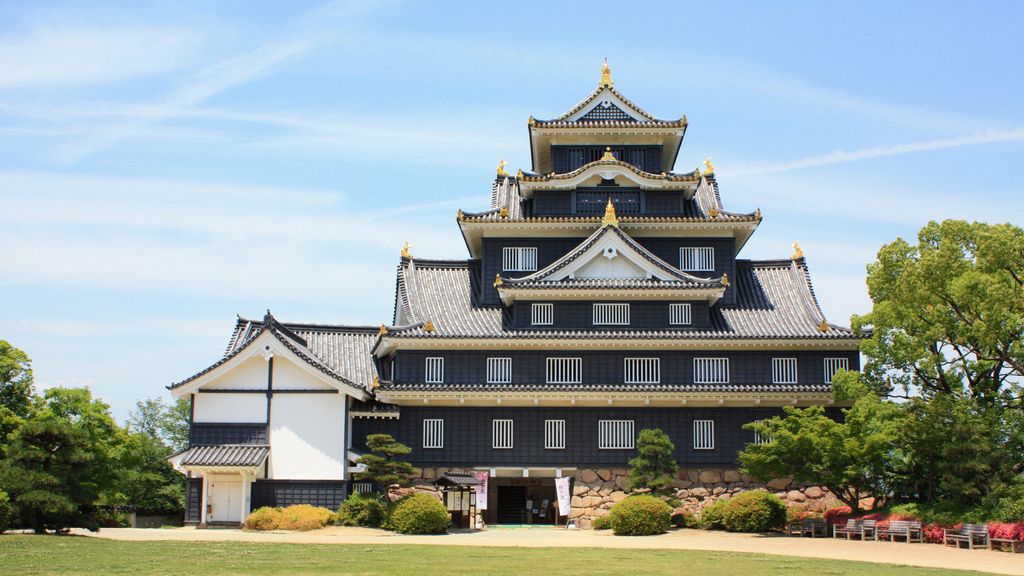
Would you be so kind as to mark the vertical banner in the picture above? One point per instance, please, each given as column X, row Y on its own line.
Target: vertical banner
column 564, row 497
column 481, row 491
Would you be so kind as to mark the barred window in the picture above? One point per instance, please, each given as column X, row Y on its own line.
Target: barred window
column 783, row 370
column 435, row 370
column 519, row 259
column 643, row 371
column 615, row 434
column 679, row 314
column 542, row 314
column 760, row 438
column 499, row 370
column 501, row 434
column 565, row 370
column 362, row 487
column 703, row 434
column 614, row 314
column 554, row 434
column 697, row 259
column 433, row 433
column 711, row 370
column 833, row 365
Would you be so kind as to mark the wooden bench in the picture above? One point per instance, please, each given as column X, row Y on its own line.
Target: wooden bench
column 971, row 534
column 1005, row 544
column 852, row 528
column 910, row 530
column 812, row 527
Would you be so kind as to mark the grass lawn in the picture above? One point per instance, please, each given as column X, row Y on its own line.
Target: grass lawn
column 78, row 555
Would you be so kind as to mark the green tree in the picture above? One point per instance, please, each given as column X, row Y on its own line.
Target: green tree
column 168, row 423
column 146, row 480
column 654, row 466
column 15, row 380
column 853, row 458
column 381, row 466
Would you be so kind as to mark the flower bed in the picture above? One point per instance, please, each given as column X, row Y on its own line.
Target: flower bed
column 932, row 531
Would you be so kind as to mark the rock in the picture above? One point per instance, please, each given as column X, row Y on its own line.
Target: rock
column 813, row 492
column 620, row 472
column 622, row 482
column 693, row 476
column 725, row 496
column 584, row 523
column 699, row 492
column 576, row 502
column 731, row 476
column 779, row 483
column 591, row 501
column 604, row 474
column 587, row 475
column 710, row 477
column 795, row 496
column 579, row 489
column 682, row 494
column 618, row 496
column 718, row 490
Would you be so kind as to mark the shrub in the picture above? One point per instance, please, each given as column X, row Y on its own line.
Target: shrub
column 602, row 522
column 641, row 515
column 6, row 511
column 1010, row 531
column 681, row 518
column 264, row 518
column 711, row 516
column 754, row 511
column 837, row 515
column 298, row 517
column 419, row 514
column 362, row 510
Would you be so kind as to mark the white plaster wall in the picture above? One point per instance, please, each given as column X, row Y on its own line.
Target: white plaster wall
column 250, row 374
column 307, row 436
column 288, row 376
column 618, row 267
column 237, row 407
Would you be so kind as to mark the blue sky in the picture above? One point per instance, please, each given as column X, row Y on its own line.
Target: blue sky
column 164, row 167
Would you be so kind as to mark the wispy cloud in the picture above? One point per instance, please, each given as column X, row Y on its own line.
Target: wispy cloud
column 845, row 156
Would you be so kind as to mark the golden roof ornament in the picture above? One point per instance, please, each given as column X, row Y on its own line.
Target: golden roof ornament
column 757, row 214
column 519, row 174
column 531, row 121
column 608, row 154
column 405, row 250
column 610, row 219
column 606, row 74
column 428, row 327
column 823, row 326
column 797, row 252
column 460, row 216
column 497, row 280
column 376, row 382
column 503, row 212
column 709, row 168
column 725, row 279
column 501, row 168
column 713, row 212
column 383, row 330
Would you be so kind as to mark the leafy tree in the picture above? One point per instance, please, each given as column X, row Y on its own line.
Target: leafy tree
column 168, row 423
column 15, row 380
column 146, row 480
column 381, row 466
column 853, row 458
column 654, row 466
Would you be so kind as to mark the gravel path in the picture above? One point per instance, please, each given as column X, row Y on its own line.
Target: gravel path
column 926, row 555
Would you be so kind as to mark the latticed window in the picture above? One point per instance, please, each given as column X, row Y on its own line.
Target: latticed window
column 499, row 370
column 783, row 370
column 565, row 371
column 711, row 370
column 433, row 433
column 594, row 202
column 501, row 434
column 833, row 365
column 434, row 370
column 554, row 434
column 700, row 259
column 519, row 259
column 615, row 434
column 611, row 314
column 542, row 314
column 703, row 434
column 643, row 370
column 679, row 314
column 760, row 438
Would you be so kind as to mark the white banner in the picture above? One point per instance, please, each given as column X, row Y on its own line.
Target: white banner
column 564, row 496
column 481, row 491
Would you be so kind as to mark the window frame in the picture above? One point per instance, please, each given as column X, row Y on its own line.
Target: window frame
column 706, row 360
column 576, row 364
column 640, row 368
column 837, row 363
column 785, row 366
column 703, row 431
column 702, row 255
column 433, row 429
column 502, row 365
column 607, row 431
column 436, row 371
column 524, row 257
column 685, row 317
column 543, row 311
column 502, row 429
column 610, row 313
column 554, row 430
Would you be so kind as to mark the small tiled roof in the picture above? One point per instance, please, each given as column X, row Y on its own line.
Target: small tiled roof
column 627, row 119
column 774, row 300
column 226, row 456
column 373, row 407
column 461, row 479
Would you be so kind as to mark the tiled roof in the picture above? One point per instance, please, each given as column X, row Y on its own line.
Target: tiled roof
column 231, row 455
column 638, row 388
column 373, row 407
column 668, row 177
column 646, row 119
column 774, row 300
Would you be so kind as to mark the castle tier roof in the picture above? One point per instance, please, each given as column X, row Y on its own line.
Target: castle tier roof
column 226, row 456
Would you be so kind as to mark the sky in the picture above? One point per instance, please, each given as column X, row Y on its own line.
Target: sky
column 166, row 166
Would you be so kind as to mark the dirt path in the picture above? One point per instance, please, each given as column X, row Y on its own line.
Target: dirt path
column 926, row 555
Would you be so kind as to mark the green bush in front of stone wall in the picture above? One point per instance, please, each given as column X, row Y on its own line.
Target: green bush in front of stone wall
column 602, row 522
column 753, row 511
column 419, row 514
column 642, row 515
column 369, row 510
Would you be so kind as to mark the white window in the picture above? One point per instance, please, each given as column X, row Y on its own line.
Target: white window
column 783, row 370
column 703, row 434
column 616, row 314
column 697, row 259
column 435, row 370
column 519, row 259
column 542, row 314
column 499, row 370
column 761, row 438
column 565, row 370
column 615, row 434
column 679, row 314
column 362, row 487
column 501, row 434
column 643, row 371
column 433, row 433
column 710, row 370
column 833, row 365
column 554, row 434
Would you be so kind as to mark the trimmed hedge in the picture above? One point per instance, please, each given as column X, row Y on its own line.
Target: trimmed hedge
column 753, row 511
column 642, row 515
column 300, row 517
column 419, row 514
column 362, row 510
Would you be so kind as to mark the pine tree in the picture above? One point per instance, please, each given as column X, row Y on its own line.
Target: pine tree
column 381, row 467
column 655, row 464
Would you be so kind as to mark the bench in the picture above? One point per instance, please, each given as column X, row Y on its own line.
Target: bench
column 970, row 534
column 910, row 530
column 1005, row 544
column 812, row 527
